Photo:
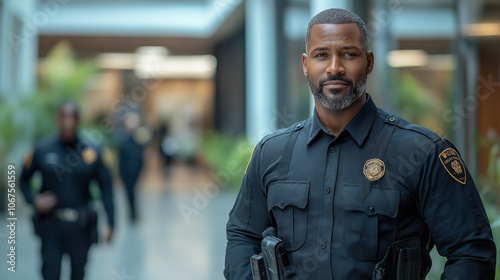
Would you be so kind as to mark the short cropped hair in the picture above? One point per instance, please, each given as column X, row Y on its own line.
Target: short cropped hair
column 336, row 16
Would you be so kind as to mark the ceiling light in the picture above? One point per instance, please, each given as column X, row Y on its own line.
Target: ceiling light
column 407, row 58
column 481, row 29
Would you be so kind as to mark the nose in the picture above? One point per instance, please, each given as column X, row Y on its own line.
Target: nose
column 335, row 66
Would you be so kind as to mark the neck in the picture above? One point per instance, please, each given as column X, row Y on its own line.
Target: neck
column 67, row 140
column 336, row 120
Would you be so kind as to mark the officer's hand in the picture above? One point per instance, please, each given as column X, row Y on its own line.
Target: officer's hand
column 108, row 234
column 45, row 201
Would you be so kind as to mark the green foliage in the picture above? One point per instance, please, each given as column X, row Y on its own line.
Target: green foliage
column 416, row 104
column 31, row 117
column 228, row 157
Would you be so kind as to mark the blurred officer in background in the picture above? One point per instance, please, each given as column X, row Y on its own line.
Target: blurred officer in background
column 131, row 154
column 64, row 217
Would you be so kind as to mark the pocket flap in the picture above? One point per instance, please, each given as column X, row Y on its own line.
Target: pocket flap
column 288, row 193
column 379, row 201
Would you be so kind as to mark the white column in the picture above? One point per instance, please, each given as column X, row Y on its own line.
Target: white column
column 18, row 48
column 317, row 6
column 5, row 19
column 261, row 76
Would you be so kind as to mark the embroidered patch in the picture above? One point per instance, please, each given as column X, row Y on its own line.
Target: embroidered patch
column 107, row 157
column 89, row 155
column 453, row 165
column 374, row 169
column 248, row 164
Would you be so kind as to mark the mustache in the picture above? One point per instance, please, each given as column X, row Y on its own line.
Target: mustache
column 335, row 78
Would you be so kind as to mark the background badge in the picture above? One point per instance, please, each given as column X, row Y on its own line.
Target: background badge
column 374, row 169
column 89, row 155
column 453, row 165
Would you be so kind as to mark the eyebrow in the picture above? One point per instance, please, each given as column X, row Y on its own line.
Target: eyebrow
column 318, row 49
column 350, row 48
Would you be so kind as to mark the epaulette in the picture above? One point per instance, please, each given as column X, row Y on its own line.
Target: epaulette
column 295, row 127
column 393, row 119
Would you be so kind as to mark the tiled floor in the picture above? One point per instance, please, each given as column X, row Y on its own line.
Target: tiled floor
column 164, row 244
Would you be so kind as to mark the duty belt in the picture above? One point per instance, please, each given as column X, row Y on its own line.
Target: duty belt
column 67, row 214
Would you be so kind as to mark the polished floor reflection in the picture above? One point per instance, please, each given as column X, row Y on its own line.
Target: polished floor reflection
column 163, row 244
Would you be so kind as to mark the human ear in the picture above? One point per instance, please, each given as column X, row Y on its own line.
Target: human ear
column 304, row 63
column 369, row 62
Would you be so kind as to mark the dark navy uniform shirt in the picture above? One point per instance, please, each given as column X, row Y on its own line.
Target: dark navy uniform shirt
column 339, row 202
column 67, row 170
column 131, row 152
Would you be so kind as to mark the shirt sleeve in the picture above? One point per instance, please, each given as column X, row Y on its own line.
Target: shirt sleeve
column 247, row 220
column 106, row 186
column 29, row 168
column 452, row 209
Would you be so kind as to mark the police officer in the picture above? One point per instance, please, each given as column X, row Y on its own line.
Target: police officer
column 131, row 157
column 64, row 217
column 353, row 188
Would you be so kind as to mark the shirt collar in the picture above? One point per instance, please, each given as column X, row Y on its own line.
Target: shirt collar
column 358, row 127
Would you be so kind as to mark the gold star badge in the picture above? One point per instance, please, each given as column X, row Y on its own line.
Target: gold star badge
column 89, row 155
column 374, row 169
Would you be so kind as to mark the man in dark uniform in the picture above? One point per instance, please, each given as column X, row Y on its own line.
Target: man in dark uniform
column 353, row 184
column 64, row 217
column 131, row 158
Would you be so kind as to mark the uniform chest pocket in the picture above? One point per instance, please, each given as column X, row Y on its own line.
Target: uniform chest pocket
column 370, row 220
column 288, row 202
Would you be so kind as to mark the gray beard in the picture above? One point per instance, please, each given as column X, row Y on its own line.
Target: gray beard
column 339, row 102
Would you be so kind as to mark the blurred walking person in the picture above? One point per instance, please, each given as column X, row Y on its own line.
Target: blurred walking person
column 64, row 217
column 131, row 153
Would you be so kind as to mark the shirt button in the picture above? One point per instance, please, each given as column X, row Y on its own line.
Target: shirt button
column 328, row 190
column 392, row 119
column 372, row 209
column 281, row 203
column 323, row 245
column 299, row 125
column 332, row 149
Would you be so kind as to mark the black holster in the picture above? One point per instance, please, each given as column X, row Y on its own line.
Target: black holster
column 402, row 261
column 88, row 222
column 270, row 264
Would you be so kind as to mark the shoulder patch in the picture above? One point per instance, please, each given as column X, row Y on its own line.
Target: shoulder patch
column 142, row 135
column 107, row 157
column 89, row 155
column 251, row 156
column 29, row 159
column 453, row 165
